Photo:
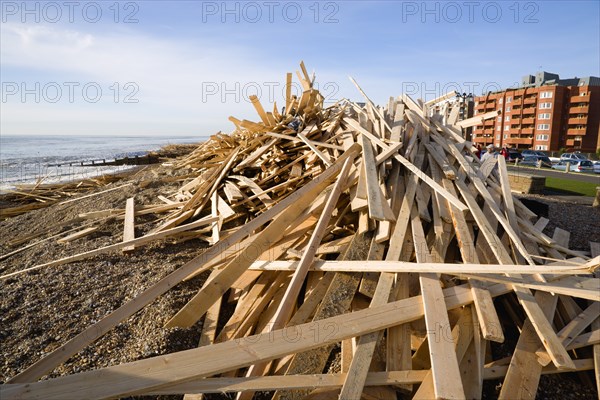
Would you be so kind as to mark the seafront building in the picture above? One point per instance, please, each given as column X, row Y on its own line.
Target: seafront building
column 546, row 113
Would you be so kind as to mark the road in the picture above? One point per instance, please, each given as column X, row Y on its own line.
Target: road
column 576, row 176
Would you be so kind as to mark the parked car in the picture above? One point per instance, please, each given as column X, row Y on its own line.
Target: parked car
column 533, row 153
column 533, row 161
column 597, row 167
column 514, row 155
column 576, row 166
column 572, row 157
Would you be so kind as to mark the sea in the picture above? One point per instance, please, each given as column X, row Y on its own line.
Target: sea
column 45, row 159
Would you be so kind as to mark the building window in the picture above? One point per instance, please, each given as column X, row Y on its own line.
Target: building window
column 543, row 127
column 506, row 128
column 500, row 101
column 545, row 105
column 541, row 147
column 541, row 137
column 499, row 118
column 544, row 116
column 498, row 128
column 546, row 95
column 509, row 99
column 507, row 108
column 507, row 118
column 505, row 136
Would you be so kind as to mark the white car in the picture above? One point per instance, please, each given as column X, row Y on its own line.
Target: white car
column 597, row 167
column 573, row 157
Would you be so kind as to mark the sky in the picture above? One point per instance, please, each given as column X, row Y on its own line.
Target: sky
column 183, row 67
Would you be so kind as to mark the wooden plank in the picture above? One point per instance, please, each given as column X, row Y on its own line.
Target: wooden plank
column 67, row 239
column 129, row 224
column 444, row 364
column 270, row 383
column 378, row 207
column 478, row 119
column 288, row 92
column 150, row 374
column 431, row 267
column 259, row 109
column 320, row 154
column 522, row 377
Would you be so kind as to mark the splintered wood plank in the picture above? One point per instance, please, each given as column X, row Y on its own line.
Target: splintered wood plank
column 73, row 236
column 145, row 375
column 444, row 364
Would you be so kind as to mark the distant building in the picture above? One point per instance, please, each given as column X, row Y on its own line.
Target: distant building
column 546, row 113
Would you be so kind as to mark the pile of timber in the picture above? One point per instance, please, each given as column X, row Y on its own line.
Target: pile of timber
column 371, row 229
column 29, row 197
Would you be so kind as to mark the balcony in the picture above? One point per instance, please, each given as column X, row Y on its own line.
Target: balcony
column 529, row 100
column 576, row 121
column 576, row 131
column 573, row 143
column 528, row 120
column 529, row 110
column 519, row 140
column 518, row 100
column 527, row 130
column 579, row 110
column 580, row 99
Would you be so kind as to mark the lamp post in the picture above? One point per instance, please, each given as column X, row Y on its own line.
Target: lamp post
column 465, row 111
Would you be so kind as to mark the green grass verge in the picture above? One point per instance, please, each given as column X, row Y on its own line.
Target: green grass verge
column 568, row 186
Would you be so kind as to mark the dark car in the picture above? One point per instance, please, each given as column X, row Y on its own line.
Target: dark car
column 533, row 161
column 533, row 153
column 514, row 155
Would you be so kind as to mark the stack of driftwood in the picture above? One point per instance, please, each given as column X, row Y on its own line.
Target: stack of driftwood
column 369, row 229
column 29, row 197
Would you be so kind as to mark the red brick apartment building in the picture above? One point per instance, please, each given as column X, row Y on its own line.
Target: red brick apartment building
column 546, row 114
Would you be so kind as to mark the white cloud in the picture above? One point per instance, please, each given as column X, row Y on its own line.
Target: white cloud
column 171, row 77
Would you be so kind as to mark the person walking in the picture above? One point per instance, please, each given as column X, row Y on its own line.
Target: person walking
column 489, row 153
